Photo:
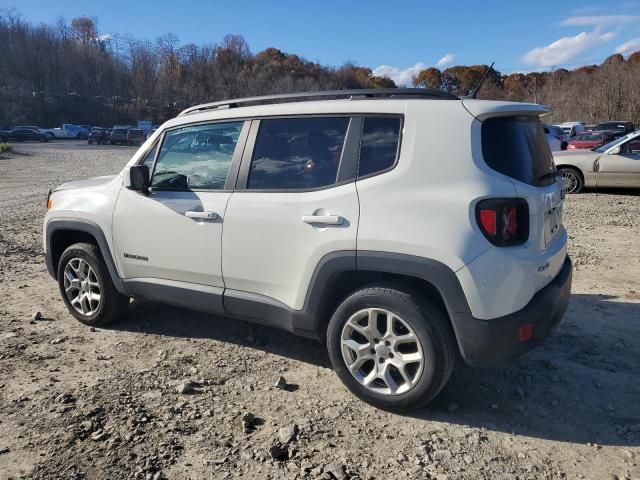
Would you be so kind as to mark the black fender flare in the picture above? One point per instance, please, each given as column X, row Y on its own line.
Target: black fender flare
column 93, row 229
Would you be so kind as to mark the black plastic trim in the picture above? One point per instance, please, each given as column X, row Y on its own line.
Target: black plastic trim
column 86, row 226
column 203, row 298
column 437, row 273
column 495, row 342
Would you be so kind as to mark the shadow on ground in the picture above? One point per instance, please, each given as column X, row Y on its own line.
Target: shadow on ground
column 581, row 386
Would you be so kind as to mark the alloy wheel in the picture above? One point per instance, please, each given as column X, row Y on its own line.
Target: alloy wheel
column 381, row 351
column 570, row 181
column 82, row 287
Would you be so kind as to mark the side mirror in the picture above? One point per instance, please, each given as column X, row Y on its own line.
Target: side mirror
column 615, row 150
column 136, row 177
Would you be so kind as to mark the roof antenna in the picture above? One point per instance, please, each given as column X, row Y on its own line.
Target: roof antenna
column 475, row 91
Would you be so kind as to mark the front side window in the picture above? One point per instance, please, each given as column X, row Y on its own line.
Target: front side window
column 297, row 153
column 379, row 147
column 196, row 157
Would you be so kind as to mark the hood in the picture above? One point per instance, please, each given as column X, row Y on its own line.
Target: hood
column 92, row 182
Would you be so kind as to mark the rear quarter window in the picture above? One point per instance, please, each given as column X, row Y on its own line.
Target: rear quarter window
column 516, row 146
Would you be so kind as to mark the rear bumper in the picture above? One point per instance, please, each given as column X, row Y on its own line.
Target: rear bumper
column 486, row 343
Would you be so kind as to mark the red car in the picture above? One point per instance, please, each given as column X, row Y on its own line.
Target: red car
column 589, row 140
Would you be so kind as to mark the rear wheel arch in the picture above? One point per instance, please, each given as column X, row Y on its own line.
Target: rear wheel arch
column 340, row 274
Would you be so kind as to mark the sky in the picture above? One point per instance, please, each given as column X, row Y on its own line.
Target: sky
column 394, row 39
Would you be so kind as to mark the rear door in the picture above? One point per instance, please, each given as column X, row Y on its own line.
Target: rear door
column 622, row 169
column 294, row 203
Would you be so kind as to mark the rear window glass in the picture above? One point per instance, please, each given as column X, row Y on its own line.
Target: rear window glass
column 379, row 147
column 517, row 147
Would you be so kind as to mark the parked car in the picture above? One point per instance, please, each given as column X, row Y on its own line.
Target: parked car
column 571, row 129
column 615, row 128
column 98, row 135
column 26, row 135
column 67, row 130
column 136, row 136
column 330, row 230
column 555, row 138
column 616, row 164
column 118, row 136
column 590, row 140
column 4, row 135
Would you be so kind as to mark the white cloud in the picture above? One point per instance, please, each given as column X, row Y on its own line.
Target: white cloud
column 598, row 20
column 566, row 48
column 629, row 47
column 105, row 37
column 446, row 60
column 402, row 76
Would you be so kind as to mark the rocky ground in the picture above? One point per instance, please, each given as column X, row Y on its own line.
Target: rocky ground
column 169, row 393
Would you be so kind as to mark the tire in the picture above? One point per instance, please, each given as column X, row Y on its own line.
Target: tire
column 412, row 314
column 572, row 181
column 111, row 304
column 50, row 136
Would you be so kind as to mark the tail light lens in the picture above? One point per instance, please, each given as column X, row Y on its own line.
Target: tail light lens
column 504, row 221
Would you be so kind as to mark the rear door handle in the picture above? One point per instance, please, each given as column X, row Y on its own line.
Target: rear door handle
column 323, row 219
column 208, row 215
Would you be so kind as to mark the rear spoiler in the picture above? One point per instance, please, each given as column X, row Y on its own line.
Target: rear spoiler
column 482, row 109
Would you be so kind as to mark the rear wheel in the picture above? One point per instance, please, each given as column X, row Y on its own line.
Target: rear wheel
column 391, row 347
column 86, row 286
column 571, row 180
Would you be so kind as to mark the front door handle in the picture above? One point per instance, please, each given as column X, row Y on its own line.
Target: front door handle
column 323, row 219
column 207, row 215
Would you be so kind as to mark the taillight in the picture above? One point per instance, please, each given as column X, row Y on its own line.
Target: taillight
column 504, row 221
column 49, row 202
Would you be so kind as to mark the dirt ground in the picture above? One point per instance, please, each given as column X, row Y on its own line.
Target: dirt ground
column 104, row 403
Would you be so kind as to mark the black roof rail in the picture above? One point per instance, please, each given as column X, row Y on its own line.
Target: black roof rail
column 419, row 93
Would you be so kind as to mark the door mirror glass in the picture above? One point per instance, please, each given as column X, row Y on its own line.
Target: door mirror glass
column 137, row 178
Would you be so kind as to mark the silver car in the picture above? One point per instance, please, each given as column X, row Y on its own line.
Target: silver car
column 616, row 164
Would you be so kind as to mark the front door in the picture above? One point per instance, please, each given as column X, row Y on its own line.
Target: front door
column 621, row 169
column 175, row 232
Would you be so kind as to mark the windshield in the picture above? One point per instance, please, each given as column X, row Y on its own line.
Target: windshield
column 616, row 142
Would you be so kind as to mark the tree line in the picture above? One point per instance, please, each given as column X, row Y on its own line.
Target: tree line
column 70, row 72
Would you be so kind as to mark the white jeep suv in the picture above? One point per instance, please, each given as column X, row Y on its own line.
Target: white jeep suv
column 406, row 228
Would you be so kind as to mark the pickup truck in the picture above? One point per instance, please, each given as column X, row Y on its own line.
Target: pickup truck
column 67, row 130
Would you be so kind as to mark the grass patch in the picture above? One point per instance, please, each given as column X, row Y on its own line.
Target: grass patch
column 5, row 148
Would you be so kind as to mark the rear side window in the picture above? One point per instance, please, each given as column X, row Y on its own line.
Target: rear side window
column 379, row 147
column 516, row 146
column 297, row 153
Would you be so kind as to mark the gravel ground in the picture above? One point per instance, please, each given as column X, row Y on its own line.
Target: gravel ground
column 169, row 393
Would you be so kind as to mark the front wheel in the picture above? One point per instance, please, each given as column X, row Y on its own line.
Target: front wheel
column 571, row 180
column 86, row 286
column 391, row 347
